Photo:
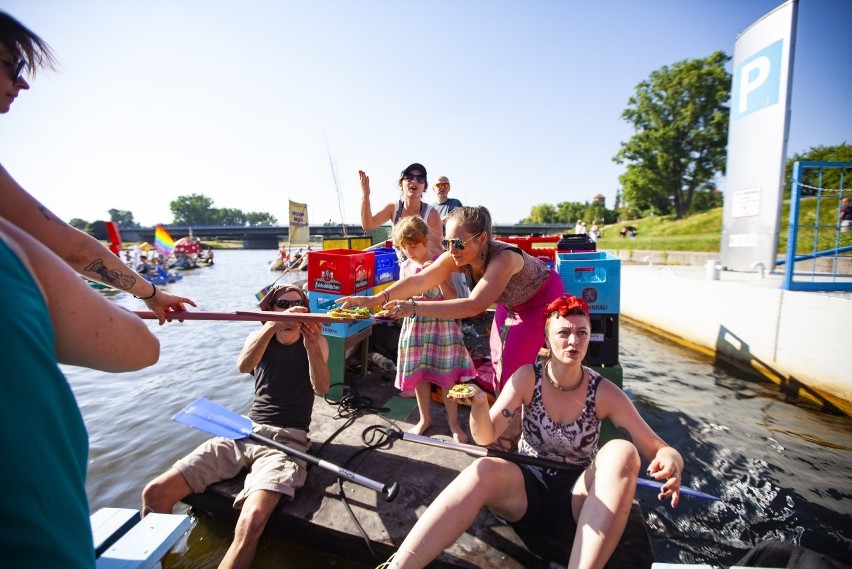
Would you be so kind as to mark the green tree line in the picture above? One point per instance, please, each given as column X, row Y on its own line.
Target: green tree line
column 193, row 209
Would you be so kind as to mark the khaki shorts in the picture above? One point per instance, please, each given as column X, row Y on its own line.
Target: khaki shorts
column 268, row 468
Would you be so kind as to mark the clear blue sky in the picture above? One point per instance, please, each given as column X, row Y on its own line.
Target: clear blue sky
column 517, row 102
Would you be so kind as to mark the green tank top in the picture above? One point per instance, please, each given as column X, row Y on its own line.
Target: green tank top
column 44, row 514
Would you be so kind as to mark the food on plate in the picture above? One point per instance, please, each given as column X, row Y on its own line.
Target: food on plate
column 462, row 391
column 358, row 312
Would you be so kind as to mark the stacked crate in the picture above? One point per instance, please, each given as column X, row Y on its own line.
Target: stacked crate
column 596, row 278
column 528, row 246
column 335, row 273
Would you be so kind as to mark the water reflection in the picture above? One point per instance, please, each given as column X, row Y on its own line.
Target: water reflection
column 782, row 471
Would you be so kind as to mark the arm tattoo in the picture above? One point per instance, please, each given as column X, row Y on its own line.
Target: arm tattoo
column 624, row 434
column 509, row 414
column 112, row 277
column 48, row 215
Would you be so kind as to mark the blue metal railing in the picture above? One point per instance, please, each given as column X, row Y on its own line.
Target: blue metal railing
column 828, row 239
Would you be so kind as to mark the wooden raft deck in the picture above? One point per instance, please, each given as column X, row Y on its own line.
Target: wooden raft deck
column 318, row 517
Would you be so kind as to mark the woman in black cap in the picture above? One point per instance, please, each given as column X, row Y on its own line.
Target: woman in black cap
column 412, row 185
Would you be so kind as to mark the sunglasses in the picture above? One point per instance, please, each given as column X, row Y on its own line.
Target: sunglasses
column 414, row 177
column 457, row 243
column 285, row 304
column 442, row 185
column 16, row 69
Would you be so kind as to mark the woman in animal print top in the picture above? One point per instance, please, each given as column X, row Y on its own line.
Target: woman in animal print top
column 563, row 406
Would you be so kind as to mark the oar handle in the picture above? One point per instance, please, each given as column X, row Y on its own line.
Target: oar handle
column 390, row 492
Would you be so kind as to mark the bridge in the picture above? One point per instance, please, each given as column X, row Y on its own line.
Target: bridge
column 270, row 237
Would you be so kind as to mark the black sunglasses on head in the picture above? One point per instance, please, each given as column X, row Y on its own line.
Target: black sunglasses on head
column 285, row 304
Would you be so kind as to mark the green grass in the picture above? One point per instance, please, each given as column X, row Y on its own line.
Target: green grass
column 703, row 232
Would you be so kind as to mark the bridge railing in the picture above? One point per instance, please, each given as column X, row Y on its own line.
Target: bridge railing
column 819, row 248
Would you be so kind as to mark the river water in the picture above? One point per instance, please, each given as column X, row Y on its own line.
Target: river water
column 782, row 471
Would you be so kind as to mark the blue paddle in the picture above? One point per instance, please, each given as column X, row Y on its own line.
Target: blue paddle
column 212, row 418
column 475, row 450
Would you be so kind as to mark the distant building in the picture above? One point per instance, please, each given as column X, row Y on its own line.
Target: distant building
column 599, row 199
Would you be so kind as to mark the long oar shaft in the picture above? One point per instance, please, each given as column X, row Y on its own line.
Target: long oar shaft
column 389, row 491
column 475, row 450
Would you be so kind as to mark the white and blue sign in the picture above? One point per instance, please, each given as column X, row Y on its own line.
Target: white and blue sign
column 757, row 81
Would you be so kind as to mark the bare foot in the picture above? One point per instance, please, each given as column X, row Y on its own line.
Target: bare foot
column 420, row 427
column 459, row 435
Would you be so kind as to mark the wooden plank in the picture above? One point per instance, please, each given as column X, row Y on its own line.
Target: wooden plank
column 146, row 543
column 109, row 524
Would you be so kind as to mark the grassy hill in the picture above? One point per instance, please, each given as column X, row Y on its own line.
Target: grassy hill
column 703, row 231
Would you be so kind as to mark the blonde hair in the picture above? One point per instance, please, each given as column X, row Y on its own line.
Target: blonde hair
column 410, row 231
column 475, row 219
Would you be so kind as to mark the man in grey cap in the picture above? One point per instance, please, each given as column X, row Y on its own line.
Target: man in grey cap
column 289, row 362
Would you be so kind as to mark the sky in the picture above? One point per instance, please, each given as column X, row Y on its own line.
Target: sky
column 257, row 102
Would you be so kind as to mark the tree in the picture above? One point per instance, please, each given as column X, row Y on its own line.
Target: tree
column 228, row 216
column 80, row 224
column 97, row 229
column 680, row 114
column 260, row 218
column 542, row 213
column 194, row 209
column 122, row 217
column 830, row 178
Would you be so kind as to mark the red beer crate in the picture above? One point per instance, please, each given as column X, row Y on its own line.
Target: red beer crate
column 528, row 245
column 340, row 271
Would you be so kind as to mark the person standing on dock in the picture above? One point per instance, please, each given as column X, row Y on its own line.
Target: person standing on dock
column 585, row 504
column 289, row 362
column 413, row 184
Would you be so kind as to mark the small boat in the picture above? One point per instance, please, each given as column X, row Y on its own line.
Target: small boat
column 161, row 277
column 355, row 522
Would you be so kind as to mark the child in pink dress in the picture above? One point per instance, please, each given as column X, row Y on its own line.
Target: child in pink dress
column 431, row 350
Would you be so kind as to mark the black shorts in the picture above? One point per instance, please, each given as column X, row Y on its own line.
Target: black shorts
column 549, row 501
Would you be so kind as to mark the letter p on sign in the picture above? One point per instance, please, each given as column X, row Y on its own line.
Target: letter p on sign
column 757, row 81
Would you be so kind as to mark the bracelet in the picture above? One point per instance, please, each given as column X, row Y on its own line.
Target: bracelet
column 153, row 294
column 413, row 308
column 386, row 297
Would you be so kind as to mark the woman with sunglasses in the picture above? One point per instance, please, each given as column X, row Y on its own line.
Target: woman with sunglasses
column 497, row 273
column 412, row 185
column 23, row 53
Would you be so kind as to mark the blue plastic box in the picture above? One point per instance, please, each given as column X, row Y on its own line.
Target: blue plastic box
column 321, row 302
column 594, row 277
column 387, row 266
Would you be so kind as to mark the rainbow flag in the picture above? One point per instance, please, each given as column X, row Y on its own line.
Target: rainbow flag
column 163, row 241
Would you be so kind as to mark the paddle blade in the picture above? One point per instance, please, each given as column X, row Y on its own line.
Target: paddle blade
column 212, row 418
column 685, row 490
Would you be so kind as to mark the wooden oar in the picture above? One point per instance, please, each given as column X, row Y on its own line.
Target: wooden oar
column 475, row 450
column 244, row 316
column 212, row 418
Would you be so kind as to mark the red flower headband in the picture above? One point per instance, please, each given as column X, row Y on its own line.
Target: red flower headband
column 565, row 303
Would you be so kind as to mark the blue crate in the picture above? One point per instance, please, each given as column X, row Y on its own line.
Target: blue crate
column 594, row 277
column 320, row 302
column 387, row 266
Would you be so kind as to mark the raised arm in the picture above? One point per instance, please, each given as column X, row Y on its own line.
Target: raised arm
column 81, row 251
column 368, row 220
column 89, row 330
column 486, row 425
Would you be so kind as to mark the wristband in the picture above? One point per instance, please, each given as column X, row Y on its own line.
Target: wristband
column 386, row 297
column 152, row 295
column 413, row 308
